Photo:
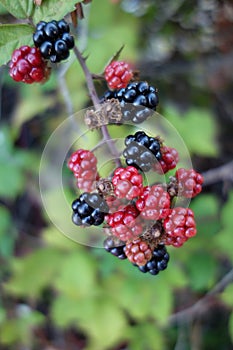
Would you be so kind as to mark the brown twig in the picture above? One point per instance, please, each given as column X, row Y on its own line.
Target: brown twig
column 188, row 314
column 223, row 173
column 94, row 97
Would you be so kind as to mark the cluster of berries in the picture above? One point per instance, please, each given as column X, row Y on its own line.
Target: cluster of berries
column 140, row 220
column 52, row 42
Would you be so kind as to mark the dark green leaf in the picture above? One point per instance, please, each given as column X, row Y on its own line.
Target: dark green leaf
column 12, row 36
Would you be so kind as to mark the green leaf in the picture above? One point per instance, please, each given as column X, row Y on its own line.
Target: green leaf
column 227, row 217
column 7, row 237
column 99, row 317
column 34, row 272
column 197, row 128
column 226, row 296
column 202, row 270
column 19, row 8
column 231, row 326
column 77, row 275
column 146, row 336
column 53, row 9
column 11, row 179
column 12, row 36
column 19, row 330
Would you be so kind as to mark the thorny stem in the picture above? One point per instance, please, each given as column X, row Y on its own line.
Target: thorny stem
column 95, row 100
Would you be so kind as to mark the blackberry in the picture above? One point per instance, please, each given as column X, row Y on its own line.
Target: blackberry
column 142, row 151
column 158, row 262
column 53, row 40
column 139, row 94
column 115, row 247
column 89, row 209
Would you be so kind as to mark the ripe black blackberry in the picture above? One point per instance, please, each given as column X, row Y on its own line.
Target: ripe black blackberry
column 89, row 209
column 115, row 247
column 158, row 262
column 142, row 151
column 53, row 40
column 139, row 94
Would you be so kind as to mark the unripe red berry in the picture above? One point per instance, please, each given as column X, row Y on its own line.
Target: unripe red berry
column 189, row 182
column 28, row 66
column 118, row 74
column 179, row 226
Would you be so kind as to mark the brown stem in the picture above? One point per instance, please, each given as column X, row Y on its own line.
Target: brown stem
column 188, row 314
column 94, row 97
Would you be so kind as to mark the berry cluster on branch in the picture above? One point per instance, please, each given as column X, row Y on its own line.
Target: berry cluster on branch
column 139, row 219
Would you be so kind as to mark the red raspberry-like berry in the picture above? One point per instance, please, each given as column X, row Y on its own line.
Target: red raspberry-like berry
column 189, row 182
column 154, row 203
column 169, row 160
column 118, row 74
column 179, row 226
column 125, row 223
column 127, row 182
column 83, row 164
column 138, row 252
column 28, row 66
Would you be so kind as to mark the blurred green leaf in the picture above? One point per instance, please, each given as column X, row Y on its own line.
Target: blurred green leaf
column 227, row 217
column 227, row 294
column 53, row 9
column 77, row 275
column 206, row 210
column 7, row 237
column 197, row 127
column 13, row 164
column 19, row 8
column 19, row 330
column 12, row 36
column 146, row 336
column 202, row 268
column 231, row 326
column 99, row 317
column 34, row 272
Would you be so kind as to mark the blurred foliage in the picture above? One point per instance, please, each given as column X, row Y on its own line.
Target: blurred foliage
column 58, row 294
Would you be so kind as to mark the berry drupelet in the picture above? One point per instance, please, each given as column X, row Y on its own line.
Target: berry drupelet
column 28, row 66
column 89, row 209
column 53, row 40
column 137, row 94
column 142, row 151
column 179, row 226
column 158, row 262
column 118, row 74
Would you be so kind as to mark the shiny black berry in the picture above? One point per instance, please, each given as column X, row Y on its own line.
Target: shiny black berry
column 158, row 262
column 142, row 151
column 63, row 26
column 46, row 49
column 53, row 40
column 139, row 94
column 69, row 40
column 89, row 209
column 115, row 247
column 51, row 30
